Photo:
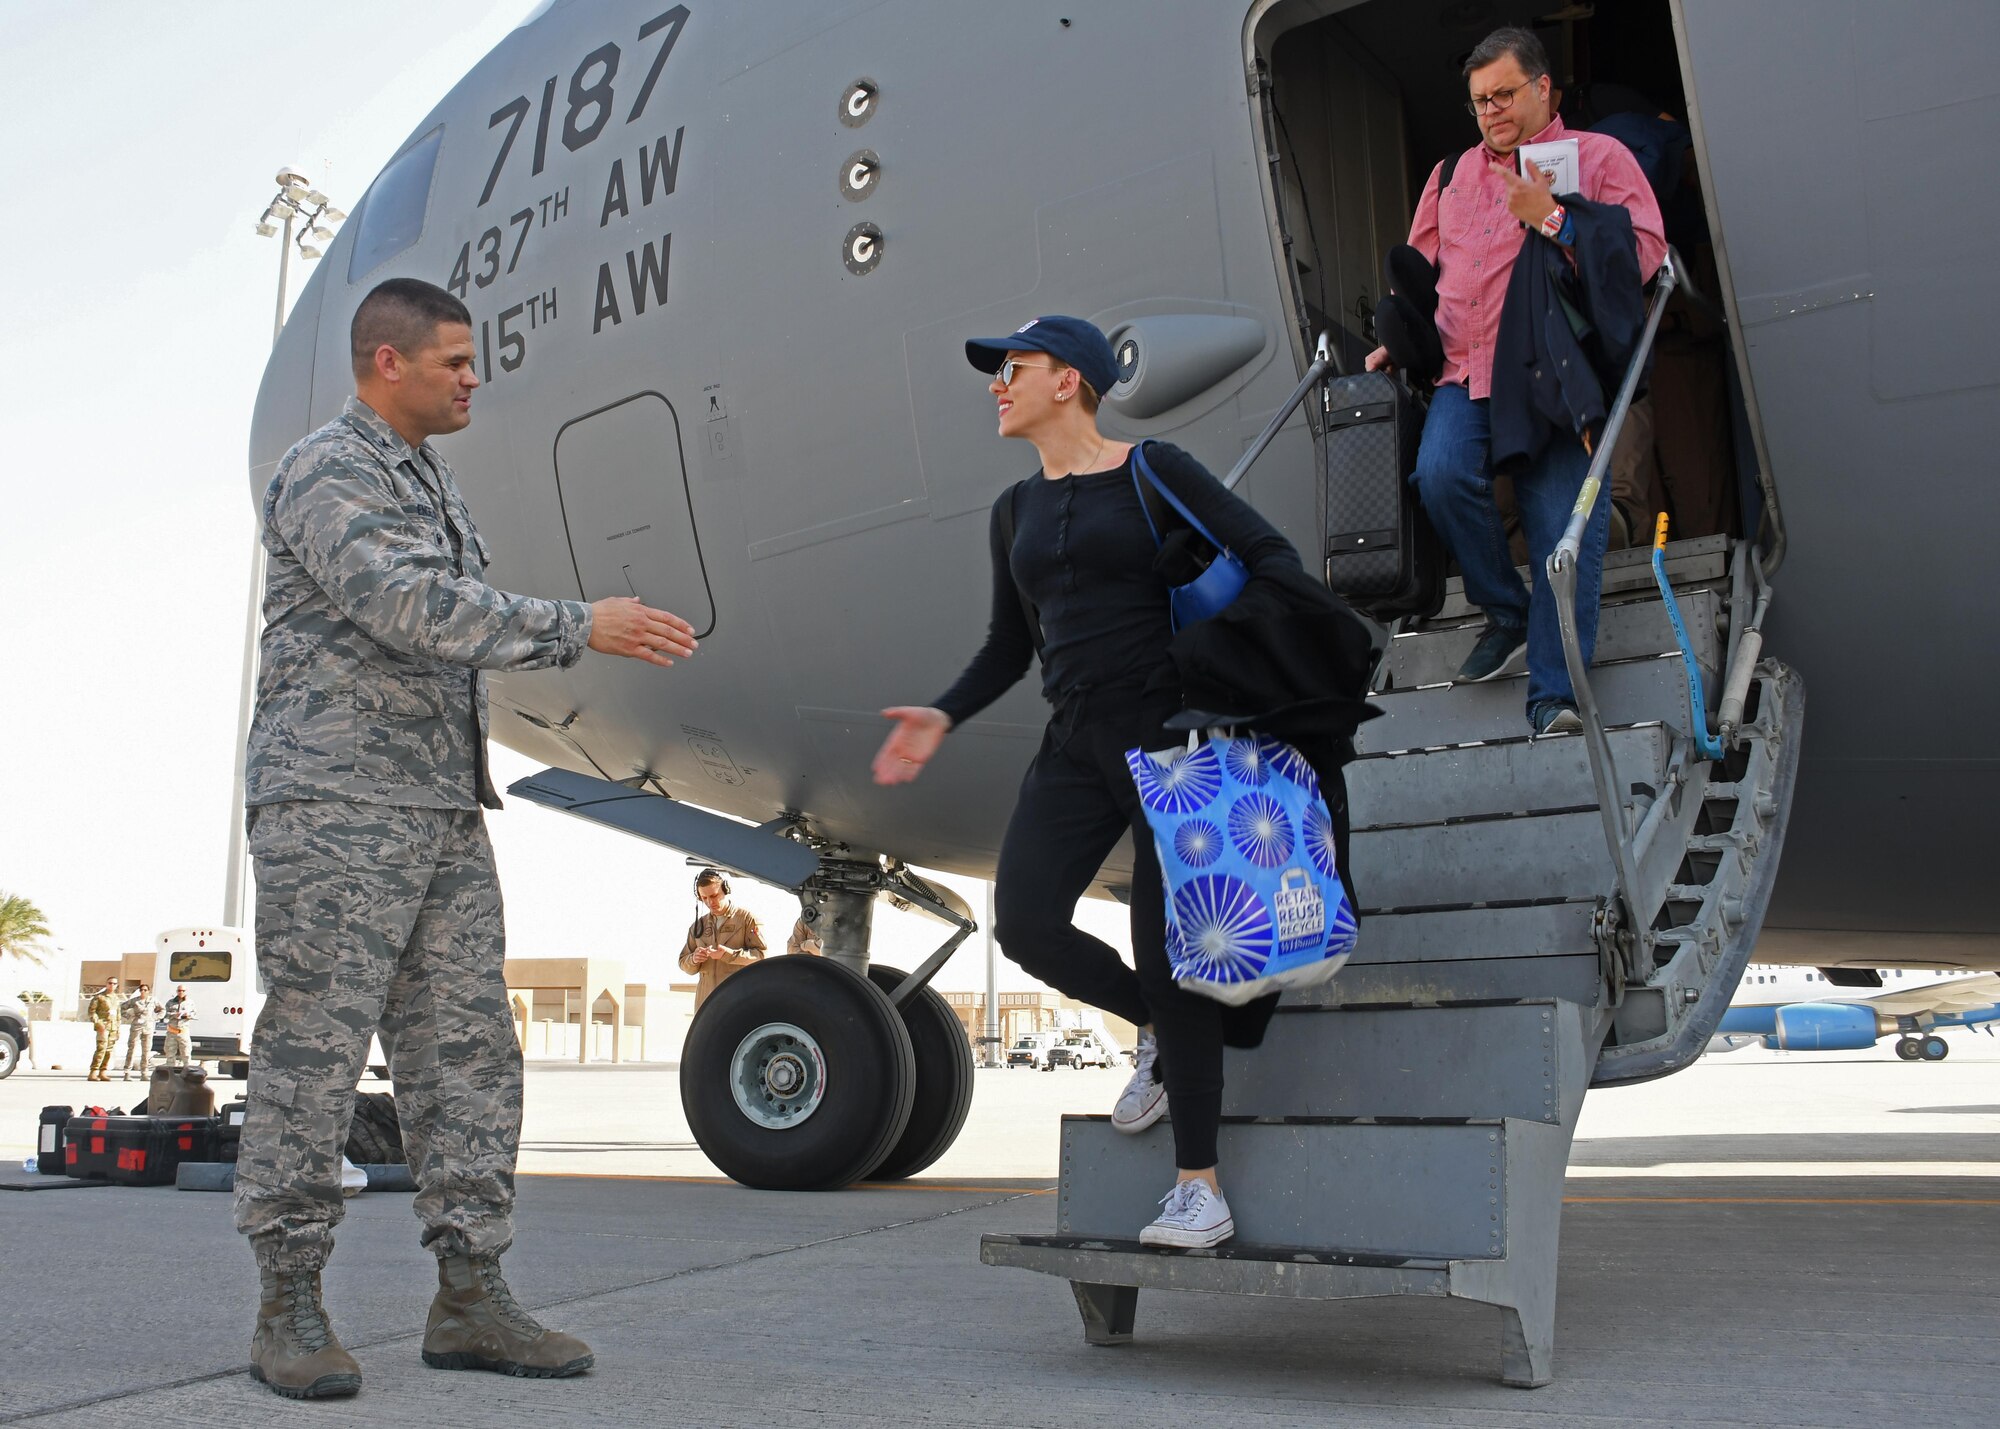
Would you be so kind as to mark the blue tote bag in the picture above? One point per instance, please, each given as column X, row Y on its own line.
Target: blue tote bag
column 1247, row 855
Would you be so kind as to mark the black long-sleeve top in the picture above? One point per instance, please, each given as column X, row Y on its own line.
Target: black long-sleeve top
column 1083, row 554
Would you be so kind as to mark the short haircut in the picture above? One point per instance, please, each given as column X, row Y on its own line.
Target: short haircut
column 1085, row 393
column 404, row 313
column 1522, row 44
column 709, row 878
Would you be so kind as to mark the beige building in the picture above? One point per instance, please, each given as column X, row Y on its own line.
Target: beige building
column 1035, row 1012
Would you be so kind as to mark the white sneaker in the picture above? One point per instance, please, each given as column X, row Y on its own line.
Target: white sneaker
column 1144, row 1101
column 1195, row 1218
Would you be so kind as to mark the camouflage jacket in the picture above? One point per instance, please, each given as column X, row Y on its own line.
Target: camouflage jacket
column 103, row 1007
column 379, row 624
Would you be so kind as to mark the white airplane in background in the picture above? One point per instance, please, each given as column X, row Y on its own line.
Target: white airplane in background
column 1802, row 1010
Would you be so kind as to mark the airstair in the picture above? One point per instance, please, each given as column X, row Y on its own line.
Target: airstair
column 1540, row 916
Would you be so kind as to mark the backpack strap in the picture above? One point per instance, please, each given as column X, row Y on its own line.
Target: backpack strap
column 1008, row 518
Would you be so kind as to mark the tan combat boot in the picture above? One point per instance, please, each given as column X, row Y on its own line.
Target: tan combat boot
column 476, row 1323
column 294, row 1349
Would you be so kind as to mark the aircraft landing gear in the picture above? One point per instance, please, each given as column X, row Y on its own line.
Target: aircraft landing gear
column 808, row 1074
column 1934, row 1048
column 1909, row 1048
column 798, row 1075
column 944, row 1079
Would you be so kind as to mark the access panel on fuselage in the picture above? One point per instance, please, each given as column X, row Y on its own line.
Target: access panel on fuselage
column 625, row 504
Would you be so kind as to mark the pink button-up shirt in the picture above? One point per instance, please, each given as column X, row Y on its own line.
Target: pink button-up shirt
column 1475, row 246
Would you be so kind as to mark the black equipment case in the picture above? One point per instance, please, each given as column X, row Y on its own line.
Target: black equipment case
column 50, row 1159
column 1381, row 554
column 135, row 1150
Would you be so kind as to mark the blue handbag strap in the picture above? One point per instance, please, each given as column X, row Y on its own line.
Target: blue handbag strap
column 1141, row 467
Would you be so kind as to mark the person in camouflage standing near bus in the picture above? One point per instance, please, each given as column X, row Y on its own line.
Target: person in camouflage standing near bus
column 377, row 900
column 136, row 1012
column 103, row 1011
column 176, row 1014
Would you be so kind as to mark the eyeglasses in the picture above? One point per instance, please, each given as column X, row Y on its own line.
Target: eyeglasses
column 1014, row 364
column 1498, row 100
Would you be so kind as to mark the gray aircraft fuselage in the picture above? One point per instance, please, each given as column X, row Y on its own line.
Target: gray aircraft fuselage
column 721, row 260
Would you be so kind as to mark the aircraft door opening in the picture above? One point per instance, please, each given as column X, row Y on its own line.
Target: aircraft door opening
column 622, row 482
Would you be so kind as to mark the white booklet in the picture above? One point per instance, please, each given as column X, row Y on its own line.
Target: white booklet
column 1557, row 159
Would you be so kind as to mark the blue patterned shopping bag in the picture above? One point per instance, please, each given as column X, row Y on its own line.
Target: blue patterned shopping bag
column 1246, row 847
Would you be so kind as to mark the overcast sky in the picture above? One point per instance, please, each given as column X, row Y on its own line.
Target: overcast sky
column 138, row 144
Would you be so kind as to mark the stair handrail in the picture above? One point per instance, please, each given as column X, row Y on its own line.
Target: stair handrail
column 1322, row 364
column 1561, row 570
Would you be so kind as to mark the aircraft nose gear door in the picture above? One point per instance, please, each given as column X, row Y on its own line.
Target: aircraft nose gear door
column 625, row 503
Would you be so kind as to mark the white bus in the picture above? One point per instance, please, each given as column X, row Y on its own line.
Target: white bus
column 218, row 968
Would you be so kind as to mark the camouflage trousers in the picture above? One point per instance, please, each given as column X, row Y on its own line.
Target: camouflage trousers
column 174, row 1049
column 139, row 1043
column 107, row 1043
column 373, row 917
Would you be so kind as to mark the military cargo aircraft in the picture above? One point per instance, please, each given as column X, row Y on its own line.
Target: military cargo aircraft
column 721, row 259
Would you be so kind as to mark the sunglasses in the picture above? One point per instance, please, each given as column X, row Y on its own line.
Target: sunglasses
column 1013, row 365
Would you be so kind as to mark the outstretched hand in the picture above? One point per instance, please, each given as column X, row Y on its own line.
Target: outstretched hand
column 622, row 625
column 919, row 731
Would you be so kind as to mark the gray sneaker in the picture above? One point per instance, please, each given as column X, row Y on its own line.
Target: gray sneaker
column 1193, row 1218
column 1500, row 650
column 1144, row 1100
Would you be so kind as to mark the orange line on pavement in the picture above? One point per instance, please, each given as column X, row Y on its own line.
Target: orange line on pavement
column 857, row 1186
column 1773, row 1201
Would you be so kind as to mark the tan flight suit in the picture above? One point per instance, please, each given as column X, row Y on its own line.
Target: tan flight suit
column 733, row 928
column 104, row 1025
column 804, row 940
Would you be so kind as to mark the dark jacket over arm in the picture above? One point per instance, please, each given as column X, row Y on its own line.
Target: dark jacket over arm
column 1550, row 380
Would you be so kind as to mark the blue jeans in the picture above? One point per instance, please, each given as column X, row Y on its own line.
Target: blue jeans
column 1454, row 479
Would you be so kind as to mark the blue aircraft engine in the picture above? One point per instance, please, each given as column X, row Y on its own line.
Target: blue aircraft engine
column 1826, row 1027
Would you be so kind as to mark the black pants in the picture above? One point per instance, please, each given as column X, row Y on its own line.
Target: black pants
column 1075, row 802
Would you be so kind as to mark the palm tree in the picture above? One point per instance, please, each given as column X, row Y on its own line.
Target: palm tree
column 22, row 927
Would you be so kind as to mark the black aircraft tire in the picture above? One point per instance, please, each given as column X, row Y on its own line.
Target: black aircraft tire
column 1908, row 1048
column 1935, row 1049
column 842, row 1030
column 944, row 1079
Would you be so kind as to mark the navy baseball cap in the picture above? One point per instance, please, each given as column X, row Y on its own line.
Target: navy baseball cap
column 1070, row 340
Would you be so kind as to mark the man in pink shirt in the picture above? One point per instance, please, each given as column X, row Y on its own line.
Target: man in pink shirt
column 1471, row 224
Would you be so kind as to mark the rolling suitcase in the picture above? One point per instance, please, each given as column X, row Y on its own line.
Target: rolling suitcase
column 1381, row 554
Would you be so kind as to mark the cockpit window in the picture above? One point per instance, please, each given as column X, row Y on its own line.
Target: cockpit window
column 392, row 216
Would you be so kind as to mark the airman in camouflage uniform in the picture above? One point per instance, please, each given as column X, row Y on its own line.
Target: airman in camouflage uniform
column 103, row 1010
column 137, row 1012
column 378, row 906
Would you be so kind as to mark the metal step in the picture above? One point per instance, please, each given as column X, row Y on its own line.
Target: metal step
column 1427, row 1189
column 1574, row 977
column 1461, row 934
column 1506, row 776
column 1478, row 1060
column 1502, row 860
column 1629, row 692
column 1625, row 630
column 1705, row 558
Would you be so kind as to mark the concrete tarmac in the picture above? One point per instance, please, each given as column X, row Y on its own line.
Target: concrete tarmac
column 1765, row 1239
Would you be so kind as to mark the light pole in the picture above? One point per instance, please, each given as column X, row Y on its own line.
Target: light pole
column 295, row 203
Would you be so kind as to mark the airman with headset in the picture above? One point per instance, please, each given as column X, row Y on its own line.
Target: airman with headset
column 724, row 938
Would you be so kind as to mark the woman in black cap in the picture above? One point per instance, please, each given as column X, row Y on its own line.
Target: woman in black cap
column 1080, row 566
